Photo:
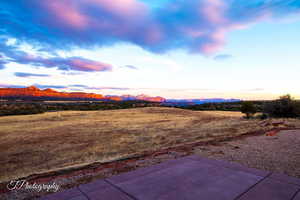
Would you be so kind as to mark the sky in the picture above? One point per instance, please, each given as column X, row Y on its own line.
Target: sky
column 170, row 48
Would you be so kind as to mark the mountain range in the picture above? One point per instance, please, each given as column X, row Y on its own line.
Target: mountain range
column 34, row 93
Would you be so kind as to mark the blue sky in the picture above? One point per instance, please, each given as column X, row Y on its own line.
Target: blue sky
column 174, row 49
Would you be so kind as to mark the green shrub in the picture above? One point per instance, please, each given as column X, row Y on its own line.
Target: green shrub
column 261, row 116
column 285, row 107
column 248, row 108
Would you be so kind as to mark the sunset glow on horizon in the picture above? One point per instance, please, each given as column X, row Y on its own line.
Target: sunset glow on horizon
column 175, row 49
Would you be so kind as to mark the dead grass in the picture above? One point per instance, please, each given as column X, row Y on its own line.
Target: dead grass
column 38, row 143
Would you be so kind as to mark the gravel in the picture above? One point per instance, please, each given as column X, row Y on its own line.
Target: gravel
column 278, row 153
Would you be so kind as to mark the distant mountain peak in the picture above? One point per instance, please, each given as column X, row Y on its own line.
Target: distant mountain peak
column 49, row 90
column 32, row 88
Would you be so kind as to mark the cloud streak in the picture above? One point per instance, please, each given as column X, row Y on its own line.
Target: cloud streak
column 41, row 86
column 131, row 67
column 200, row 26
column 12, row 54
column 2, row 64
column 98, row 88
column 2, row 85
column 222, row 57
column 72, row 63
column 25, row 75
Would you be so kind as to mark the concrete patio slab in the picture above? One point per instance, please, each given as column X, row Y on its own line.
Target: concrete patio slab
column 70, row 194
column 81, row 197
column 188, row 178
column 106, row 194
column 285, row 178
column 102, row 184
column 271, row 189
column 231, row 165
column 101, row 189
column 297, row 197
column 148, row 170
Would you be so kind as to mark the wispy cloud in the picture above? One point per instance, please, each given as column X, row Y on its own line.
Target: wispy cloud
column 72, row 73
column 222, row 57
column 196, row 25
column 72, row 63
column 107, row 88
column 41, row 86
column 253, row 90
column 98, row 87
column 2, row 85
column 2, row 64
column 13, row 54
column 2, row 59
column 78, row 85
column 131, row 67
column 24, row 74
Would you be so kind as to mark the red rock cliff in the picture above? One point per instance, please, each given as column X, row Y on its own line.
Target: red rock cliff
column 33, row 91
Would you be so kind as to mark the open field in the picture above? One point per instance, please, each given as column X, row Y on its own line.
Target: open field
column 39, row 143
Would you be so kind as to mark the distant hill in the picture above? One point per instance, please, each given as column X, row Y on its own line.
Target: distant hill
column 188, row 102
column 141, row 97
column 34, row 93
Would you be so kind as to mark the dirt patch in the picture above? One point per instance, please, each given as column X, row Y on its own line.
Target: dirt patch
column 276, row 151
column 52, row 141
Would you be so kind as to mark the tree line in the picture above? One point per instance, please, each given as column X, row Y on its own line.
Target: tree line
column 284, row 107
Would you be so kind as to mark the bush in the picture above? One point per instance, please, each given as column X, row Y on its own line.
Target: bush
column 262, row 116
column 285, row 107
column 248, row 108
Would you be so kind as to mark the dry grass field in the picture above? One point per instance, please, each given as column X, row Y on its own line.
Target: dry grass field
column 44, row 142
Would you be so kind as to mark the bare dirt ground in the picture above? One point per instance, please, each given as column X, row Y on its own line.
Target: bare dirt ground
column 73, row 147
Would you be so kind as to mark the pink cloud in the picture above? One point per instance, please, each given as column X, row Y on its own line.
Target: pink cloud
column 133, row 20
column 196, row 25
column 214, row 11
column 71, row 63
column 73, row 13
column 121, row 8
column 81, row 64
column 68, row 12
